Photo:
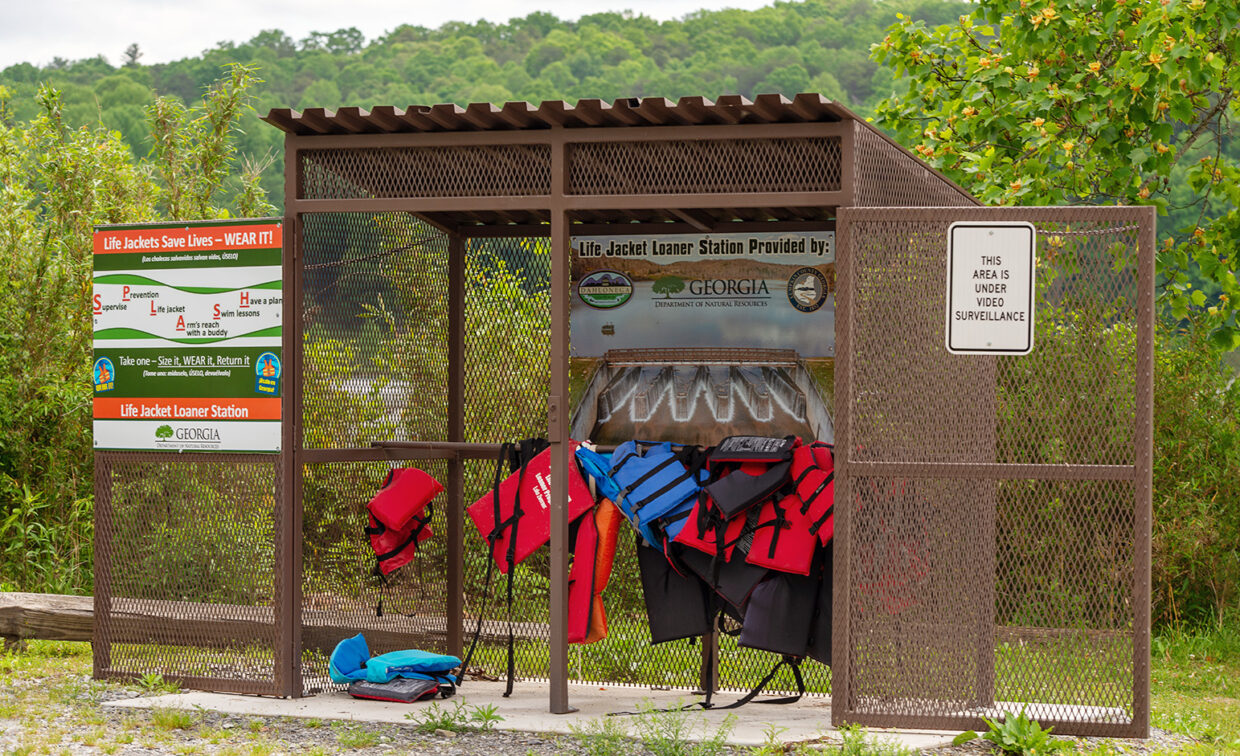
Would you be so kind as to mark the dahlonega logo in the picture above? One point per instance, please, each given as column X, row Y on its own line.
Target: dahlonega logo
column 807, row 289
column 605, row 289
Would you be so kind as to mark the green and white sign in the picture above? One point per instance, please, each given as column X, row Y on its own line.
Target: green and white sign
column 187, row 324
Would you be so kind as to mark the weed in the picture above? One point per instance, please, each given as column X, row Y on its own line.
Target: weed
column 669, row 732
column 1017, row 735
column 154, row 683
column 256, row 725
column 172, row 719
column 606, row 736
column 355, row 736
column 771, row 744
column 460, row 718
column 485, row 717
column 858, row 742
column 313, row 723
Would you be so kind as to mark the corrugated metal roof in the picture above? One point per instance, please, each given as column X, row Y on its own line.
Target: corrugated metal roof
column 630, row 111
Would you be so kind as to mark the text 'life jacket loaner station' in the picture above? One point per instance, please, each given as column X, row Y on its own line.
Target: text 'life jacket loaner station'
column 817, row 378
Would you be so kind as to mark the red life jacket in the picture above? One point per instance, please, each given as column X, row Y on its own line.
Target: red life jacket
column 782, row 540
column 813, row 480
column 594, row 550
column 400, row 516
column 525, row 506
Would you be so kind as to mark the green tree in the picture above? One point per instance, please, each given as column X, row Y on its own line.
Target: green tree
column 667, row 286
column 56, row 184
column 1046, row 102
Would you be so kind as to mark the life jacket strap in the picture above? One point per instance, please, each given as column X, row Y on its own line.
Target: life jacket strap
column 809, row 500
column 413, row 535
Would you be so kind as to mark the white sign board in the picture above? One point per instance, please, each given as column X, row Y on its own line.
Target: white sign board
column 990, row 273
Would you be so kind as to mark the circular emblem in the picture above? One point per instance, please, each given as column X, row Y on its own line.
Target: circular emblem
column 807, row 289
column 605, row 289
column 267, row 366
column 105, row 375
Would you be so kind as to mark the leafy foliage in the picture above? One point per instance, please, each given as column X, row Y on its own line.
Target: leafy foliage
column 817, row 45
column 1017, row 735
column 56, row 183
column 1049, row 102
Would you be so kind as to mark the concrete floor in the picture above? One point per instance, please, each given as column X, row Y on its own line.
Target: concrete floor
column 526, row 710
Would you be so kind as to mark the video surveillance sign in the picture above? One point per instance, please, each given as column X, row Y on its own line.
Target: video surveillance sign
column 990, row 280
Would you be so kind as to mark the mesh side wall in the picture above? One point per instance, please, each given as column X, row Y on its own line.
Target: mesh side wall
column 191, row 544
column 462, row 171
column 886, row 176
column 341, row 593
column 375, row 330
column 717, row 165
column 988, row 587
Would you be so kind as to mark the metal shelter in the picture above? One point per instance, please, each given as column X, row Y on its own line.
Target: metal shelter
column 945, row 467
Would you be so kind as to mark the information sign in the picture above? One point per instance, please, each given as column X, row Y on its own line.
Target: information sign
column 990, row 276
column 187, row 327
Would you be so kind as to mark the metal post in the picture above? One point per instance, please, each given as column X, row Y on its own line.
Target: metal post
column 456, row 433
column 289, row 570
column 557, row 433
column 101, row 636
column 1144, row 456
column 840, row 567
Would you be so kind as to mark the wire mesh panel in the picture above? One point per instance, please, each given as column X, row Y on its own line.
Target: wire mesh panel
column 343, row 593
column 994, row 509
column 457, row 171
column 374, row 330
column 887, row 176
column 717, row 165
column 188, row 547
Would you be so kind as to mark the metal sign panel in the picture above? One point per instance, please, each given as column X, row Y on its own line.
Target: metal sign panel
column 187, row 336
column 990, row 276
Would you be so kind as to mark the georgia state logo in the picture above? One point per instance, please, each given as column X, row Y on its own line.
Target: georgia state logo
column 807, row 289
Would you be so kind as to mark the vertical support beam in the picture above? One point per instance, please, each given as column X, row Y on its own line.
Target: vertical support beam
column 848, row 171
column 708, row 674
column 456, row 432
column 101, row 631
column 843, row 480
column 289, row 520
column 557, row 428
column 1143, row 437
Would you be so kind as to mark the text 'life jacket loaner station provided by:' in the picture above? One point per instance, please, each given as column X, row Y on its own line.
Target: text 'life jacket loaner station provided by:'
column 737, row 398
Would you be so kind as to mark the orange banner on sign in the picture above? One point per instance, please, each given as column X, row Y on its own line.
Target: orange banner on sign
column 188, row 239
column 116, row 408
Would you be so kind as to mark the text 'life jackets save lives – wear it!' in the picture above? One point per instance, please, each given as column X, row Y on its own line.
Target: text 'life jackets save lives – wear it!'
column 400, row 516
column 404, row 676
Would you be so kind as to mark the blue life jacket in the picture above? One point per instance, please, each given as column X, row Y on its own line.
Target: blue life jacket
column 597, row 467
column 412, row 663
column 351, row 661
column 655, row 484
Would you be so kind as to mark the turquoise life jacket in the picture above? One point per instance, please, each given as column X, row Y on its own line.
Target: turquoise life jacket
column 657, row 484
column 351, row 661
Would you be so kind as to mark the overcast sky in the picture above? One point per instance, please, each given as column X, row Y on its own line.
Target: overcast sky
column 39, row 30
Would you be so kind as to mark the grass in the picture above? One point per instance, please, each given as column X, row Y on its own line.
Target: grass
column 1195, row 683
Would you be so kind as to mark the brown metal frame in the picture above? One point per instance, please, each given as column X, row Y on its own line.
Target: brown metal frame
column 872, row 170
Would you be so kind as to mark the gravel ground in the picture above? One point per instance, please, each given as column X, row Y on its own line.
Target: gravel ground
column 70, row 720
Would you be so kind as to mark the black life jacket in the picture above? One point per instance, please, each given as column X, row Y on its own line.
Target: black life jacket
column 677, row 605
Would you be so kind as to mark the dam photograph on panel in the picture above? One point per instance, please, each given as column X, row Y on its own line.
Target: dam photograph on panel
column 694, row 337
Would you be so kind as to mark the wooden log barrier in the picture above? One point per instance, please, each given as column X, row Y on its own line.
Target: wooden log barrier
column 42, row 616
